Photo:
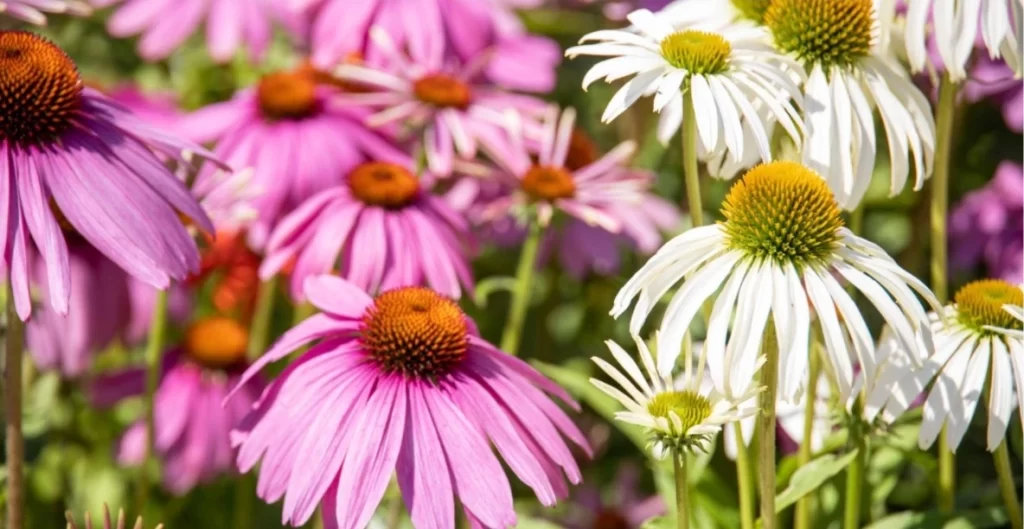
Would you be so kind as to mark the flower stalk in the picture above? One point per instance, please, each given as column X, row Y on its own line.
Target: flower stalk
column 1007, row 486
column 855, row 475
column 744, row 479
column 691, row 172
column 154, row 350
column 682, row 490
column 802, row 518
column 512, row 335
column 259, row 331
column 15, row 446
column 766, row 427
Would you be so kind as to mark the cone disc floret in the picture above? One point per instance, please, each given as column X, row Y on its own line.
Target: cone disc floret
column 689, row 408
column 216, row 342
column 698, row 52
column 383, row 184
column 416, row 332
column 288, row 95
column 443, row 91
column 784, row 212
column 548, row 183
column 40, row 89
column 822, row 32
column 980, row 304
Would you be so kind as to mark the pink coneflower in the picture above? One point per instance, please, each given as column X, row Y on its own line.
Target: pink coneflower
column 166, row 24
column 448, row 99
column 381, row 226
column 539, row 172
column 293, row 138
column 69, row 152
column 623, row 508
column 402, row 382
column 32, row 11
column 98, row 312
column 192, row 420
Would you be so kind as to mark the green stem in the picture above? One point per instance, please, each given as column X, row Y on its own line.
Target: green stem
column 855, row 482
column 682, row 490
column 857, row 220
column 1007, row 487
column 744, row 479
column 802, row 518
column 691, row 173
column 766, row 428
column 243, row 502
column 14, row 350
column 259, row 331
column 154, row 353
column 938, row 214
column 512, row 334
column 302, row 311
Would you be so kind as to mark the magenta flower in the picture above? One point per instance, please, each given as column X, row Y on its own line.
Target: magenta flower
column 68, row 152
column 296, row 142
column 164, row 25
column 160, row 109
column 382, row 226
column 98, row 312
column 626, row 509
column 449, row 100
column 33, row 11
column 142, row 300
column 402, row 383
column 987, row 226
column 193, row 422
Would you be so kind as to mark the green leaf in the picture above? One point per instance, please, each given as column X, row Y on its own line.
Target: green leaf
column 661, row 522
column 809, row 477
column 491, row 285
column 991, row 517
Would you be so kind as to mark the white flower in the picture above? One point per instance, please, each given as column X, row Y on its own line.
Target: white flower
column 850, row 76
column 956, row 23
column 728, row 76
column 782, row 243
column 882, row 400
column 679, row 415
column 979, row 343
column 715, row 14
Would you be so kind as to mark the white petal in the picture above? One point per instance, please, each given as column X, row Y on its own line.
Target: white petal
column 835, row 342
column 1001, row 399
column 629, row 365
column 705, row 110
column 731, row 127
column 718, row 326
column 649, row 24
column 970, row 392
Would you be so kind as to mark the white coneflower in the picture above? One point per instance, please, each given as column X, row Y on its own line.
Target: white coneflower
column 678, row 415
column 956, row 25
column 837, row 41
column 882, row 402
column 978, row 333
column 726, row 74
column 715, row 14
column 782, row 243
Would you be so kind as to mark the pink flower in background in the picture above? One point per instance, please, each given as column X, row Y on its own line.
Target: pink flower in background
column 627, row 509
column 381, row 227
column 987, row 226
column 294, row 139
column 991, row 79
column 33, row 11
column 164, row 25
column 193, row 422
column 449, row 100
column 70, row 158
column 142, row 300
column 402, row 382
column 98, row 312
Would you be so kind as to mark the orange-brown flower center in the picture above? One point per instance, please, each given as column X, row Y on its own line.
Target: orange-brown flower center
column 443, row 91
column 288, row 95
column 610, row 519
column 582, row 150
column 233, row 269
column 416, row 332
column 40, row 88
column 216, row 342
column 548, row 182
column 383, row 184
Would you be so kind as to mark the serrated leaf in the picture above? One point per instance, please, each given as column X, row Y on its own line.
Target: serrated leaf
column 991, row 517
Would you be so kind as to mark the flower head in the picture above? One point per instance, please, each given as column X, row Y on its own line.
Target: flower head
column 776, row 258
column 680, row 414
column 987, row 226
column 402, row 382
column 33, row 11
column 955, row 26
column 71, row 159
column 384, row 228
column 850, row 73
column 192, row 421
column 726, row 74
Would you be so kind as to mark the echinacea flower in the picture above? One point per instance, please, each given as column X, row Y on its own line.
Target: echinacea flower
column 623, row 508
column 725, row 74
column 402, row 382
column 381, row 227
column 678, row 414
column 448, row 100
column 287, row 131
column 233, row 269
column 987, row 226
column 192, row 420
column 33, row 11
column 67, row 152
column 849, row 75
column 107, row 523
column 978, row 345
column 776, row 258
column 956, row 27
column 97, row 315
column 164, row 25
column 715, row 14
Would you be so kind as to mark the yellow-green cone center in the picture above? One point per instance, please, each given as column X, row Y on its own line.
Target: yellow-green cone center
column 691, row 408
column 784, row 212
column 980, row 304
column 752, row 10
column 697, row 52
column 822, row 32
